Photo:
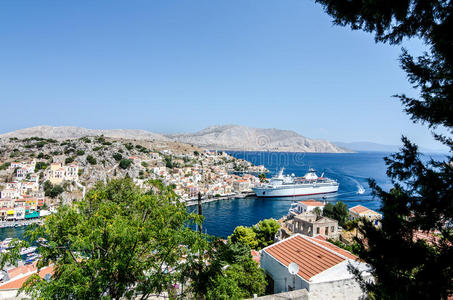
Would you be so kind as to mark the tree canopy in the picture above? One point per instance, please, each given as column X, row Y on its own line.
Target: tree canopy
column 406, row 265
column 338, row 212
column 118, row 242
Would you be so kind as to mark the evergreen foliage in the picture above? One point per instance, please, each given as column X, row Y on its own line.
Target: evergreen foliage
column 338, row 212
column 405, row 266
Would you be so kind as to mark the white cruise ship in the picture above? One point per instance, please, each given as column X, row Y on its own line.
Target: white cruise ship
column 288, row 186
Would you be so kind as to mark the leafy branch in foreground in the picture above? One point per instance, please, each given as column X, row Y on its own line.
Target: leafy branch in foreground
column 119, row 242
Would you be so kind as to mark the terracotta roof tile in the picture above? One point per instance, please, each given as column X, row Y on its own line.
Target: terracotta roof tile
column 321, row 240
column 309, row 255
column 312, row 203
column 359, row 209
column 17, row 283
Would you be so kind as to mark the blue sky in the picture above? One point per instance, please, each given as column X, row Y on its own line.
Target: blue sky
column 179, row 66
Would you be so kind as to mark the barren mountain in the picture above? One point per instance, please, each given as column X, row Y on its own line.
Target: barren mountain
column 235, row 137
column 227, row 137
column 70, row 132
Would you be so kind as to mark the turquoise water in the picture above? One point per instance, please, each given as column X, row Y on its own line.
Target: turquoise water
column 351, row 171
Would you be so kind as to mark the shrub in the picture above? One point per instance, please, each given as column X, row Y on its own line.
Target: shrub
column 117, row 156
column 144, row 164
column 91, row 160
column 5, row 166
column 68, row 160
column 125, row 163
column 80, row 152
column 40, row 166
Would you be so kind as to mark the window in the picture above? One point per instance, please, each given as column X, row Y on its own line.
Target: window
column 317, row 230
column 332, row 228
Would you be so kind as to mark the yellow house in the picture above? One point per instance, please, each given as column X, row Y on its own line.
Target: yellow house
column 58, row 172
column 360, row 211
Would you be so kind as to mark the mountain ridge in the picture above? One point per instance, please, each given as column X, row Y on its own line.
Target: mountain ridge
column 221, row 137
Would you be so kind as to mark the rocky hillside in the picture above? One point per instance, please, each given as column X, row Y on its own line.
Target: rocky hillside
column 227, row 137
column 70, row 132
column 234, row 137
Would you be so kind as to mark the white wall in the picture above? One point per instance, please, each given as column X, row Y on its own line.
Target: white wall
column 279, row 273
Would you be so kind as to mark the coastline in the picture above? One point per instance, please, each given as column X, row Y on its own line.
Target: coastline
column 194, row 201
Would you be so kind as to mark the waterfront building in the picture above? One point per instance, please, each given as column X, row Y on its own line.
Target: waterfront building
column 358, row 212
column 241, row 185
column 323, row 268
column 309, row 205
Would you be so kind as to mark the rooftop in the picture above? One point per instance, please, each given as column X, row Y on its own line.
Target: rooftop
column 312, row 203
column 361, row 209
column 313, row 255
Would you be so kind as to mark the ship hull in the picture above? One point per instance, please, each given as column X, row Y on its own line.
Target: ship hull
column 265, row 192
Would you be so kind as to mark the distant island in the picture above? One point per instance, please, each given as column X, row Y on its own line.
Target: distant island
column 226, row 137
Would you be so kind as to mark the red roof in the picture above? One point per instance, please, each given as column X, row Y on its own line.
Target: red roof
column 17, row 283
column 312, row 203
column 361, row 209
column 322, row 241
column 312, row 255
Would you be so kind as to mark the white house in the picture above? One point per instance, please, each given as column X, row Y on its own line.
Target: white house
column 308, row 205
column 323, row 268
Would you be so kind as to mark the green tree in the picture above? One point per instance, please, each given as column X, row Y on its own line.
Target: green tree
column 262, row 177
column 338, row 212
column 229, row 264
column 244, row 235
column 265, row 232
column 317, row 211
column 91, row 160
column 117, row 156
column 125, row 163
column 405, row 267
column 68, row 160
column 80, row 152
column 118, row 242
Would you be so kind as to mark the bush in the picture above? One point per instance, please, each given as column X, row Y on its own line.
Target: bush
column 51, row 190
column 68, row 160
column 40, row 144
column 86, row 140
column 80, row 152
column 91, row 160
column 125, row 163
column 40, row 165
column 129, row 146
column 5, row 166
column 144, row 164
column 117, row 156
column 100, row 139
column 97, row 148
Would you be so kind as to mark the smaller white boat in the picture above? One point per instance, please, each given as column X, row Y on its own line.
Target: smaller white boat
column 27, row 250
column 361, row 190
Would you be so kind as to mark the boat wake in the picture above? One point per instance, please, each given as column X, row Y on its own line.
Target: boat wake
column 360, row 188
